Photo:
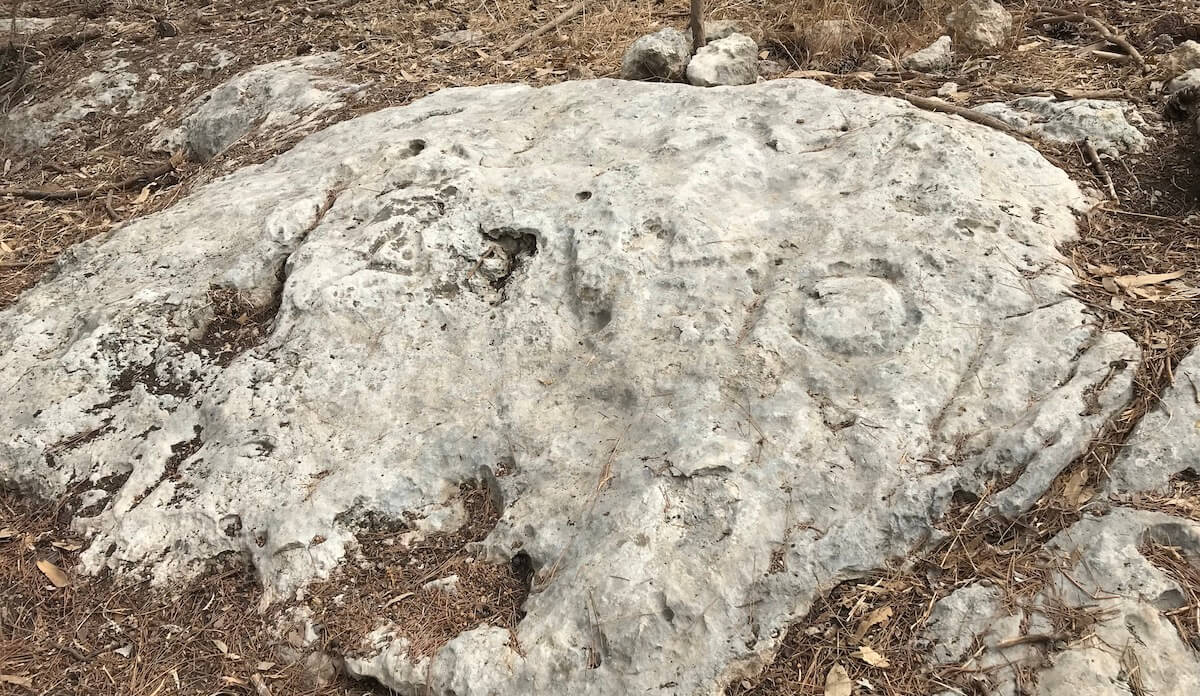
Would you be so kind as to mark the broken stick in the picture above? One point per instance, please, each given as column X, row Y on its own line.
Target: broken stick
column 1054, row 15
column 969, row 114
column 1101, row 170
column 545, row 28
column 75, row 194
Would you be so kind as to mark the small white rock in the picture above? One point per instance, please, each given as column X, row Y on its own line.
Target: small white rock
column 948, row 89
column 732, row 60
column 936, row 57
column 979, row 26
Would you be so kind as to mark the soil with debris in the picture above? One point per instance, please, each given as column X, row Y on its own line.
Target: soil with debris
column 97, row 636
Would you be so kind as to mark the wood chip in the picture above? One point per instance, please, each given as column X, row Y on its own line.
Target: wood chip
column 55, row 574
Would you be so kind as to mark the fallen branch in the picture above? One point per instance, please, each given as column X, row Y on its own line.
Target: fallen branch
column 545, row 28
column 76, row 194
column 969, row 114
column 1094, row 158
column 1055, row 15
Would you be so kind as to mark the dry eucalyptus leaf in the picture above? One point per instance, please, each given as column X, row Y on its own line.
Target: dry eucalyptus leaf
column 221, row 646
column 837, row 682
column 1137, row 281
column 868, row 655
column 880, row 615
column 54, row 574
column 7, row 533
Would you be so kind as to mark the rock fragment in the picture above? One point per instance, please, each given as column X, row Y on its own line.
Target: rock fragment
column 979, row 26
column 287, row 94
column 1185, row 57
column 732, row 60
column 1110, row 125
column 457, row 38
column 661, row 56
column 937, row 57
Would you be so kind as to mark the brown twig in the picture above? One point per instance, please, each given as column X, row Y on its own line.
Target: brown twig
column 545, row 28
column 1094, row 158
column 76, row 194
column 969, row 114
column 1052, row 15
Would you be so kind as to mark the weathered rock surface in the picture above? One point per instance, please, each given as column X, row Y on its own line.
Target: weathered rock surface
column 1111, row 126
column 1166, row 442
column 661, row 56
column 289, row 94
column 678, row 330
column 1101, row 570
column 935, row 57
column 1191, row 78
column 112, row 89
column 979, row 26
column 1186, row 56
column 732, row 60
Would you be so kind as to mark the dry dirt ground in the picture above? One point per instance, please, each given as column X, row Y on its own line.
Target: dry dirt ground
column 61, row 634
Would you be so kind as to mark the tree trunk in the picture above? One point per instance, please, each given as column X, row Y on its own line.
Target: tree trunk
column 697, row 25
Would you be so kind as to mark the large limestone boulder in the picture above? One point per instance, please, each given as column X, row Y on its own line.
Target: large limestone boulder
column 713, row 350
column 291, row 94
column 979, row 26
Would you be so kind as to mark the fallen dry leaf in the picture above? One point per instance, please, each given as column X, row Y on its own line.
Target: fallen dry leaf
column 1075, row 492
column 54, row 574
column 837, row 682
column 67, row 545
column 221, row 646
column 7, row 533
column 1137, row 281
column 868, row 655
column 880, row 615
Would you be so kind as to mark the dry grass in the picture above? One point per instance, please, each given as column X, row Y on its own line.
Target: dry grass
column 103, row 636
